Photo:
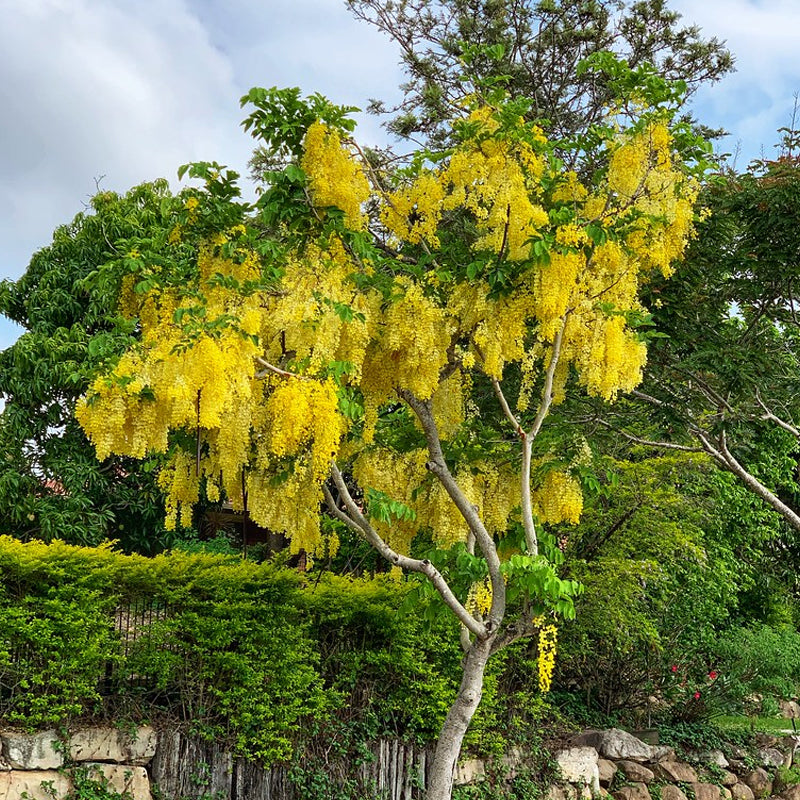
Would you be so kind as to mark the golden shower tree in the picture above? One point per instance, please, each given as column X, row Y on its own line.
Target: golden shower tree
column 380, row 348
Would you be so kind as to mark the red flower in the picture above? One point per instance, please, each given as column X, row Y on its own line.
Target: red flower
column 674, row 667
column 696, row 695
column 713, row 674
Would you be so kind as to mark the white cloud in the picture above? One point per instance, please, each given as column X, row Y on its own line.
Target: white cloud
column 131, row 90
column 757, row 99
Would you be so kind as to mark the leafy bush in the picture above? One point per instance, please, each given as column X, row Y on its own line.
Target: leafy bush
column 761, row 659
column 247, row 654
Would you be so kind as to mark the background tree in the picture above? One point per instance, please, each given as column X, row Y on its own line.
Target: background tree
column 321, row 368
column 535, row 47
column 723, row 380
column 51, row 485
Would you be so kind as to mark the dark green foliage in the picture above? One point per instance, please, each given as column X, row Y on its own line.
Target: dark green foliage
column 251, row 655
column 51, row 485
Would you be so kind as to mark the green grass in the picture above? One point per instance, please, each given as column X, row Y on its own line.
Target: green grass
column 770, row 724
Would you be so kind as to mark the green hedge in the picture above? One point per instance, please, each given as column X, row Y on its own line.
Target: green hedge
column 254, row 655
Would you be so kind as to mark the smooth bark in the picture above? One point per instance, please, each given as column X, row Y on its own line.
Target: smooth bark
column 448, row 747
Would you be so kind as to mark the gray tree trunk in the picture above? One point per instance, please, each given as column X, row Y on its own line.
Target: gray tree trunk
column 448, row 747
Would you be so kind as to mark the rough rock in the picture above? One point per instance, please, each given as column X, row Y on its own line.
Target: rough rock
column 579, row 765
column 791, row 792
column 556, row 792
column 706, row 791
column 741, row 791
column 636, row 772
column 727, row 778
column 662, row 753
column 675, row 772
column 607, row 770
column 38, row 751
column 636, row 791
column 789, row 709
column 614, row 744
column 469, row 771
column 759, row 781
column 726, row 793
column 124, row 779
column 670, row 792
column 766, row 740
column 33, row 785
column 111, row 744
column 770, row 757
column 713, row 757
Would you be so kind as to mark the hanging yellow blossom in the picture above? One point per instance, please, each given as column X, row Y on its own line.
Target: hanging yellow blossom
column 558, row 499
column 548, row 637
column 335, row 177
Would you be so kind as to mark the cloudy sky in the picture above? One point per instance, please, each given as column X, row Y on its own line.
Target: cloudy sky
column 116, row 92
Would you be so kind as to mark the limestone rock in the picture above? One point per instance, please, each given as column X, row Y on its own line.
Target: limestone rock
column 635, row 772
column 758, row 780
column 615, row 744
column 33, row 785
column 113, row 745
column 706, row 791
column 469, row 771
column 670, row 792
column 791, row 792
column 636, row 791
column 607, row 770
column 38, row 751
column 727, row 778
column 770, row 757
column 558, row 792
column 662, row 753
column 789, row 709
column 123, row 779
column 579, row 765
column 715, row 758
column 675, row 772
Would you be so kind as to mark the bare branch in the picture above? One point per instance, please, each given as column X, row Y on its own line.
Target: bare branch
column 727, row 459
column 507, row 412
column 649, row 443
column 770, row 417
column 438, row 466
column 547, row 391
column 271, row 368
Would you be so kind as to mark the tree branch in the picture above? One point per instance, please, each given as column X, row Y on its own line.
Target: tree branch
column 358, row 523
column 770, row 417
column 438, row 466
column 271, row 368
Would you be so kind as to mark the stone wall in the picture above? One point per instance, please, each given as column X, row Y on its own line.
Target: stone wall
column 616, row 764
column 34, row 766
column 610, row 763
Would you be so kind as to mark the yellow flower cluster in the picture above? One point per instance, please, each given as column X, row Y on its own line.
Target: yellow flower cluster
column 497, row 181
column 558, row 499
column 479, row 598
column 288, row 503
column 488, row 179
column 400, row 476
column 303, row 416
column 335, row 178
column 179, row 481
column 413, row 212
column 548, row 637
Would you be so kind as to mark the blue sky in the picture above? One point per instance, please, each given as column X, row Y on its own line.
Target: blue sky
column 123, row 91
